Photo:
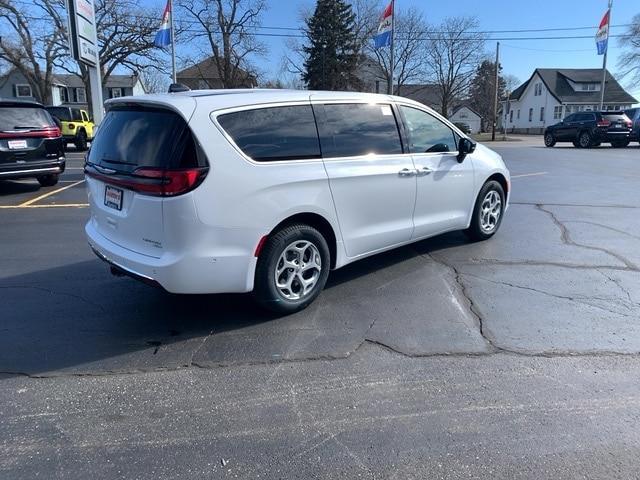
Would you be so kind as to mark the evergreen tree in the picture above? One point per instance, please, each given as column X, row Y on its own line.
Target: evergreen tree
column 482, row 91
column 331, row 50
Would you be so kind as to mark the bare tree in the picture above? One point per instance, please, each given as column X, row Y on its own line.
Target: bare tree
column 34, row 43
column 409, row 46
column 629, row 62
column 511, row 82
column 154, row 81
column 453, row 51
column 227, row 29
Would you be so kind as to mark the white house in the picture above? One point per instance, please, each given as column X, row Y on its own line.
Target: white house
column 552, row 94
column 464, row 114
column 68, row 90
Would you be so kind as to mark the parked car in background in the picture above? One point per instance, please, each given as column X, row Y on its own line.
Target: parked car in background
column 77, row 128
column 267, row 191
column 590, row 129
column 634, row 116
column 30, row 143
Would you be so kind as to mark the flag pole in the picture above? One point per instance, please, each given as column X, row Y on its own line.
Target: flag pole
column 173, row 46
column 604, row 61
column 392, row 56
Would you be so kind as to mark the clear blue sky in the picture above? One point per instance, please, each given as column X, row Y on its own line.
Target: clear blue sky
column 516, row 59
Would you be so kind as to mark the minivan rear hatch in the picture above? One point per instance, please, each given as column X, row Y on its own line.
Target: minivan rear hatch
column 141, row 155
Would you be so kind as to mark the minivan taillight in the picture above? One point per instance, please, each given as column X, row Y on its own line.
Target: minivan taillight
column 169, row 183
column 156, row 182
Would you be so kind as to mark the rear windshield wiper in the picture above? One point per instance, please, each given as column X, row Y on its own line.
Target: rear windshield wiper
column 117, row 162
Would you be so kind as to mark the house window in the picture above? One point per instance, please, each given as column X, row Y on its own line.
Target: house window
column 81, row 95
column 531, row 114
column 64, row 94
column 23, row 91
column 518, row 114
column 557, row 112
column 116, row 92
column 537, row 89
column 542, row 114
column 511, row 116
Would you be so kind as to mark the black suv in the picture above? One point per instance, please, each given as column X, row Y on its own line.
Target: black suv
column 30, row 143
column 634, row 115
column 590, row 129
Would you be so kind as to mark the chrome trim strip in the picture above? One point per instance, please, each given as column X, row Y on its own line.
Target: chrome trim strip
column 36, row 170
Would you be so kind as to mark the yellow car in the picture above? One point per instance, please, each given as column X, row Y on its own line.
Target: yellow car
column 76, row 126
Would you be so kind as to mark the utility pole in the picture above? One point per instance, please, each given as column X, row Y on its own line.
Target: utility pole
column 392, row 55
column 495, row 99
column 604, row 62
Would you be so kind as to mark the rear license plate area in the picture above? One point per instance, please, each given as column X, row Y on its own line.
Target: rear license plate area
column 113, row 197
column 17, row 144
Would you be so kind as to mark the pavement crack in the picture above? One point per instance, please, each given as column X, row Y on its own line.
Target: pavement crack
column 537, row 263
column 565, row 236
column 575, row 299
column 533, row 204
column 607, row 227
column 198, row 348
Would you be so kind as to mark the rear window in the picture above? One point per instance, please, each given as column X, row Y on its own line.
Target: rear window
column 615, row 117
column 352, row 130
column 60, row 112
column 15, row 118
column 274, row 133
column 142, row 137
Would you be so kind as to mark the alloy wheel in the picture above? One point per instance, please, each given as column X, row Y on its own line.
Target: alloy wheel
column 298, row 270
column 490, row 212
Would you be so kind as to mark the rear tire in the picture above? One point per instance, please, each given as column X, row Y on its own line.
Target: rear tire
column 488, row 212
column 81, row 141
column 549, row 140
column 585, row 140
column 48, row 180
column 292, row 269
column 620, row 144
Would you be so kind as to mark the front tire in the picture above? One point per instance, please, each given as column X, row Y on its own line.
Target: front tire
column 488, row 212
column 48, row 180
column 549, row 140
column 292, row 269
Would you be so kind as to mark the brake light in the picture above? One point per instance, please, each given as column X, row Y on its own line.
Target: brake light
column 156, row 182
column 604, row 123
column 629, row 124
column 44, row 132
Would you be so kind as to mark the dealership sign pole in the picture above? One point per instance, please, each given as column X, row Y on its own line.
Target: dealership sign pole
column 83, row 42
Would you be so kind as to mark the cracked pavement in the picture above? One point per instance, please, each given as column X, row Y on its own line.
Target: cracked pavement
column 428, row 345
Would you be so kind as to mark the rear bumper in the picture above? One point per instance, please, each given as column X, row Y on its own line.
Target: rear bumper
column 186, row 273
column 32, row 169
column 613, row 136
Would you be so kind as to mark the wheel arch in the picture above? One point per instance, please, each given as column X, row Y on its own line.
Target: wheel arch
column 502, row 180
column 318, row 222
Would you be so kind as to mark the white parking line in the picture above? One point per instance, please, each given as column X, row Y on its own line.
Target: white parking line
column 537, row 174
column 42, row 197
column 59, row 205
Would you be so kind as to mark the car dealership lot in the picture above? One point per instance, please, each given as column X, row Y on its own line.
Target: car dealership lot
column 513, row 358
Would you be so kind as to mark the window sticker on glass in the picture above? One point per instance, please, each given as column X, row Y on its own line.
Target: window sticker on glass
column 386, row 110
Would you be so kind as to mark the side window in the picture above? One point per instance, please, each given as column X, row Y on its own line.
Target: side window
column 84, row 116
column 426, row 133
column 352, row 130
column 570, row 118
column 274, row 133
column 75, row 114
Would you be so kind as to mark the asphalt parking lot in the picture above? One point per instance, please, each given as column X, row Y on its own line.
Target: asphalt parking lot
column 514, row 358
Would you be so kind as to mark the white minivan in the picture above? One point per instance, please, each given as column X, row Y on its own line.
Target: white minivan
column 268, row 190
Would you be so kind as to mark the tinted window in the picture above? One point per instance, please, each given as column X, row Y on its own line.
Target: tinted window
column 631, row 113
column 616, row 117
column 570, row 118
column 129, row 139
column 61, row 113
column 75, row 114
column 426, row 133
column 351, row 130
column 275, row 133
column 12, row 118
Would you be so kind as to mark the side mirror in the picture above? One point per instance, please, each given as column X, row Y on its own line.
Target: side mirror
column 465, row 147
